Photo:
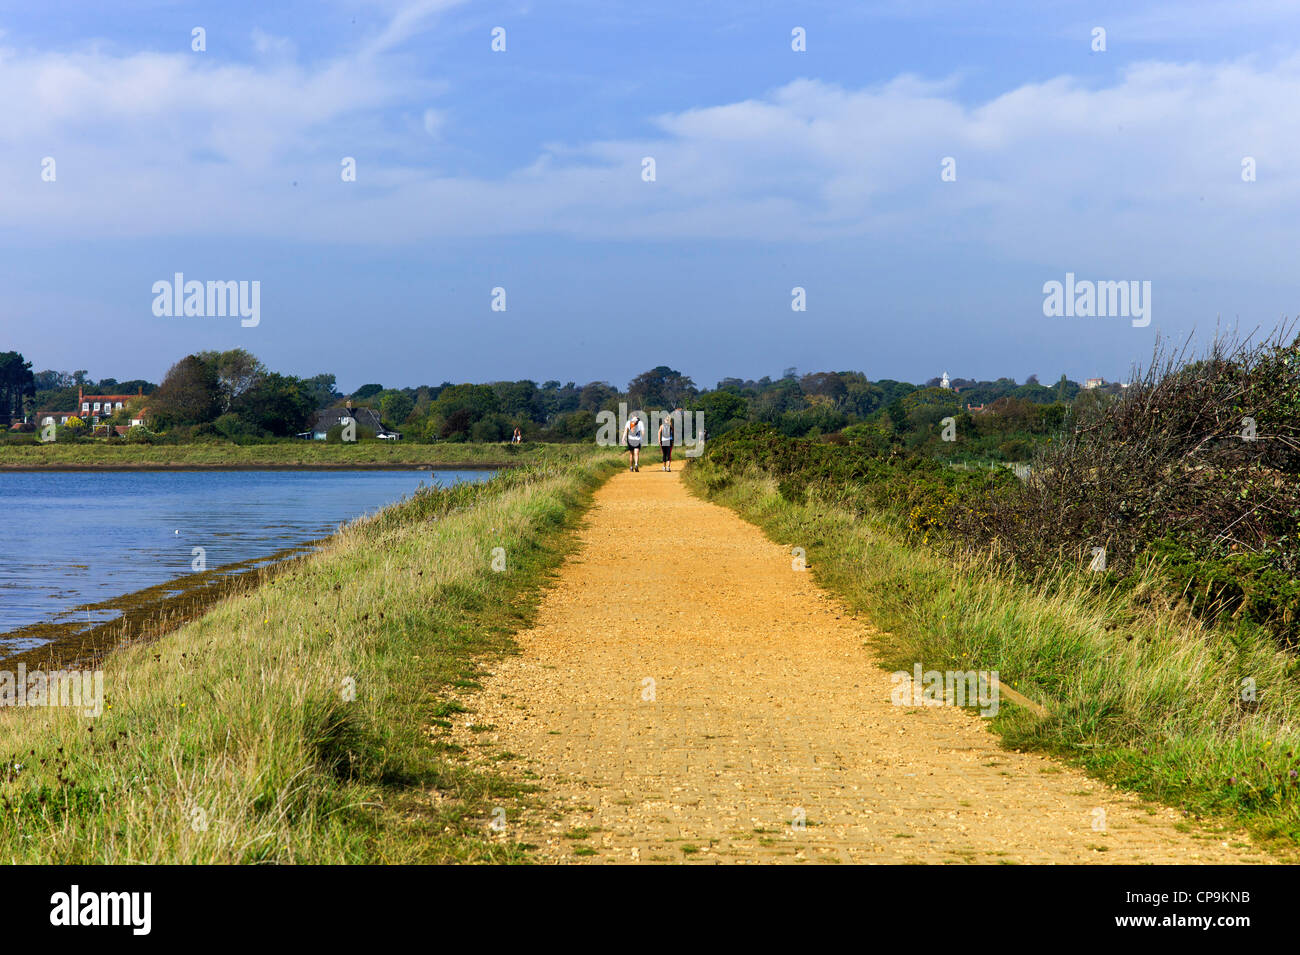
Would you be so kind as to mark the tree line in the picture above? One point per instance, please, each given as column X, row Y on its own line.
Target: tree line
column 232, row 395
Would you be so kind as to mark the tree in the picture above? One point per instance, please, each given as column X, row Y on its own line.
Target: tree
column 322, row 391
column 50, row 380
column 519, row 399
column 395, row 407
column 719, row 408
column 237, row 373
column 595, row 395
column 278, row 404
column 366, row 391
column 137, row 385
column 555, row 400
column 660, row 387
column 478, row 400
column 16, row 383
column 827, row 384
column 190, row 394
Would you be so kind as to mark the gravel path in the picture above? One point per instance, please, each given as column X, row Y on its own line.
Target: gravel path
column 686, row 696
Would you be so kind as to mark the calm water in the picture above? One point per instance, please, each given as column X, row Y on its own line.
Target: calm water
column 80, row 537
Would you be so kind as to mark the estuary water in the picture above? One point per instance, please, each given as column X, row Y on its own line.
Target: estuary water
column 69, row 538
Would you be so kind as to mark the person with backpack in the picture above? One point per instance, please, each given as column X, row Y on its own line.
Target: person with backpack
column 633, row 435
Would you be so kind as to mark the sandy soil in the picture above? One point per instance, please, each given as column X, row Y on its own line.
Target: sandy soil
column 687, row 696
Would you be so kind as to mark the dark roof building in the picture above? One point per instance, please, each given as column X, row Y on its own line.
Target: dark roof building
column 367, row 419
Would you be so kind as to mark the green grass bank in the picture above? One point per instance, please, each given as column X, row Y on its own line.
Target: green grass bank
column 284, row 454
column 296, row 723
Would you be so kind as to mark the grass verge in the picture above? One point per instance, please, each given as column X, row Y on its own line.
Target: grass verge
column 1144, row 697
column 234, row 739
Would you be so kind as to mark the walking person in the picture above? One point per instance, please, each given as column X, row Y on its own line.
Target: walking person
column 517, row 437
column 633, row 435
column 666, row 441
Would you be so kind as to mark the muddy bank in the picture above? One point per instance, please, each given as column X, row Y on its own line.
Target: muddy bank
column 138, row 617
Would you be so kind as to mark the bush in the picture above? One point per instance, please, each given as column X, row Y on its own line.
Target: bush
column 494, row 427
column 235, row 428
column 1194, row 470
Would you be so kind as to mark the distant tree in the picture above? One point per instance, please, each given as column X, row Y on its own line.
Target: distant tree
column 277, row 404
column 595, row 395
column 137, row 385
column 519, row 399
column 16, row 384
column 456, row 424
column 479, row 400
column 50, row 380
column 721, row 407
column 366, row 391
column 395, row 407
column 893, row 390
column 237, row 372
column 826, row 384
column 554, row 400
column 862, row 397
column 660, row 387
column 322, row 391
column 190, row 394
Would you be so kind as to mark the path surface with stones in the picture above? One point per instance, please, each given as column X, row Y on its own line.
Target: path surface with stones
column 766, row 708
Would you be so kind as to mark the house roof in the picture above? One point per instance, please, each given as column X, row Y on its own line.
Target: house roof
column 364, row 417
column 83, row 397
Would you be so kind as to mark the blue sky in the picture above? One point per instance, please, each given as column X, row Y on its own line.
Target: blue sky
column 522, row 169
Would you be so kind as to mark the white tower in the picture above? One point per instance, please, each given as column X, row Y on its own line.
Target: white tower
column 945, row 383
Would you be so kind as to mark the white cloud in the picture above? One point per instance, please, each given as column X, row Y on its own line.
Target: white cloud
column 1115, row 175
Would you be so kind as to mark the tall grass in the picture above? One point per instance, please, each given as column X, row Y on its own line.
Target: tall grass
column 1137, row 692
column 232, row 740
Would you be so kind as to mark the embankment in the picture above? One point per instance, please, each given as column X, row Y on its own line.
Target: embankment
column 290, row 455
column 289, row 724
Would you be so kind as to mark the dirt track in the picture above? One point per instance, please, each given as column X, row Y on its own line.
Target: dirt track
column 765, row 708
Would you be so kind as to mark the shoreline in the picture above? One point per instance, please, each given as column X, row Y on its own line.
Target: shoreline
column 272, row 466
column 145, row 614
